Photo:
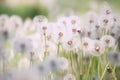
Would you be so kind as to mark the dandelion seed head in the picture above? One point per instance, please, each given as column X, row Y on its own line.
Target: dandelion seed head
column 69, row 77
column 39, row 19
column 62, row 64
column 114, row 58
column 108, row 41
column 98, row 48
column 106, row 9
column 22, row 45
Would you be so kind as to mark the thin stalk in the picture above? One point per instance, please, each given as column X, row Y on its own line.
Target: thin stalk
column 71, row 62
column 89, row 67
column 113, row 73
column 45, row 52
column 104, row 72
column 58, row 48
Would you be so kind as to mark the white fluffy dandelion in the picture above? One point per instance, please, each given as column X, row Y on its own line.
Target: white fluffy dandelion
column 69, row 77
column 62, row 64
column 98, row 48
column 108, row 40
column 22, row 45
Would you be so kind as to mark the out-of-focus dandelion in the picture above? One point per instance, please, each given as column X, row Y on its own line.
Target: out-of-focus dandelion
column 108, row 41
column 114, row 58
column 39, row 19
column 106, row 9
column 52, row 62
column 69, row 77
column 62, row 64
column 22, row 45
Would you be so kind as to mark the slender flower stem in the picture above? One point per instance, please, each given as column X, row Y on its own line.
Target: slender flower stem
column 58, row 48
column 71, row 62
column 89, row 67
column 45, row 52
column 113, row 73
column 104, row 72
column 98, row 71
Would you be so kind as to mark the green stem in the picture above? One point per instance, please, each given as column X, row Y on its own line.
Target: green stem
column 71, row 62
column 104, row 72
column 89, row 67
column 113, row 73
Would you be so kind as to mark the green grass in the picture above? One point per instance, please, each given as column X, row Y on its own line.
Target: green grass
column 24, row 11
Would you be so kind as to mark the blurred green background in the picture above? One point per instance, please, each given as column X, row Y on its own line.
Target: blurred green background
column 51, row 8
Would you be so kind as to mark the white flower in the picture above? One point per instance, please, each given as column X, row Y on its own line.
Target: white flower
column 15, row 23
column 22, row 45
column 92, row 33
column 115, row 33
column 74, row 21
column 74, row 26
column 114, row 58
column 28, row 26
column 52, row 62
column 6, row 34
column 62, row 64
column 86, row 44
column 69, row 77
column 108, row 40
column 39, row 19
column 59, row 32
column 71, row 43
column 98, row 48
column 63, row 21
column 106, row 9
column 41, row 68
column 106, row 22
column 45, row 28
column 91, row 18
